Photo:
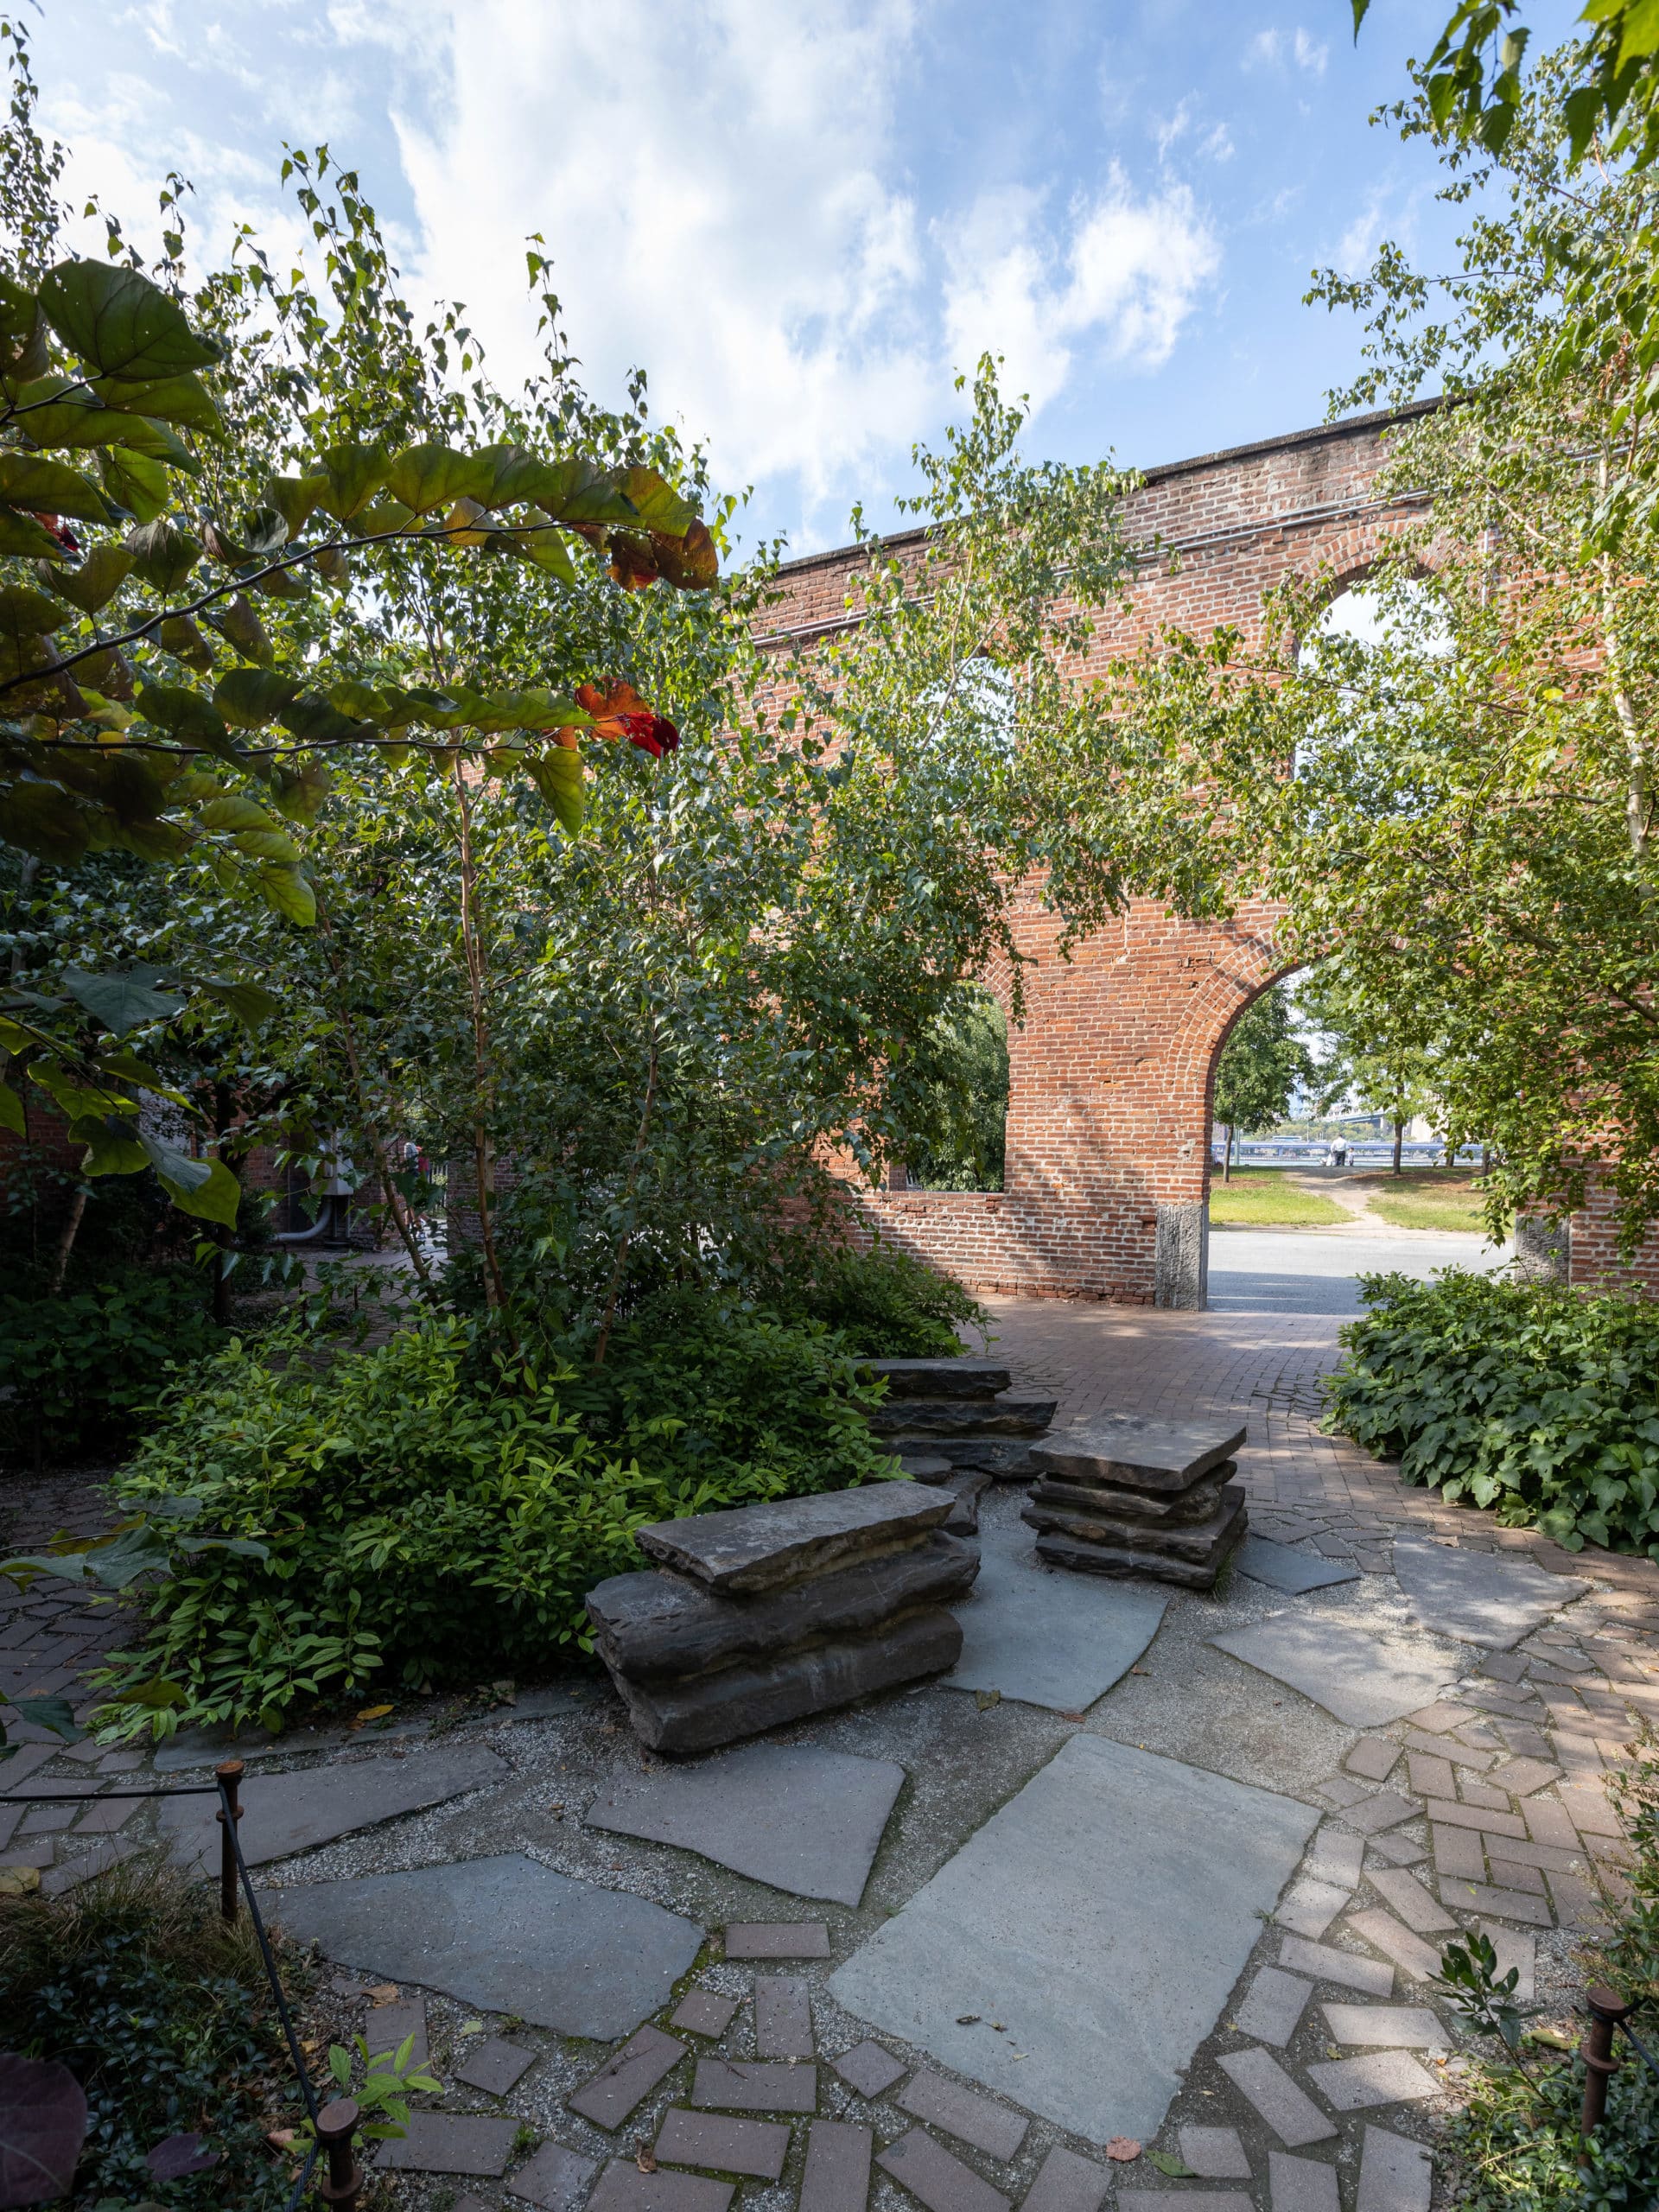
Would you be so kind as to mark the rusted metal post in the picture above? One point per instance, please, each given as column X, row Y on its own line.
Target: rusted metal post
column 229, row 1774
column 1599, row 2064
column 336, row 2124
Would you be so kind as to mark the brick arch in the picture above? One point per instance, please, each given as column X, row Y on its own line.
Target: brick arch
column 1112, row 1073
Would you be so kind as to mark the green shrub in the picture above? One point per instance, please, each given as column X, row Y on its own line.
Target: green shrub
column 885, row 1303
column 1531, row 1399
column 84, row 1368
column 430, row 1520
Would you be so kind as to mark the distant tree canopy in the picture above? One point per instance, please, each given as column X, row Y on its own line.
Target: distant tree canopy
column 963, row 1097
column 1260, row 1065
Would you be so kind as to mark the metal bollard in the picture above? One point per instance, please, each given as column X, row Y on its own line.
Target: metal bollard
column 229, row 1773
column 336, row 2124
column 1599, row 2064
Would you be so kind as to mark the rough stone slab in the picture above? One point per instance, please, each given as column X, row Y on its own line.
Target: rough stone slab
column 1308, row 1908
column 623, row 2187
column 1432, row 1775
column 1066, row 2182
column 627, row 2078
column 991, row 2128
column 1325, row 1962
column 1396, row 1850
column 928, row 2170
column 783, row 2017
column 494, row 2065
column 1216, row 2153
column 737, row 1701
column 287, row 1812
column 1171, row 1560
column 450, row 2143
column 836, row 2178
column 869, row 2068
column 1135, row 1453
column 1169, row 1543
column 939, row 1378
column 97, row 1860
column 652, row 1625
column 770, row 1546
column 1401, row 2027
column 1396, row 1941
column 1479, row 1596
column 1514, row 1948
column 1336, row 1857
column 730, row 2146
column 1288, row 2110
column 1458, row 1852
column 1510, row 1905
column 1380, row 2077
column 1479, row 1816
column 387, row 2026
column 1395, row 2174
column 740, row 2086
column 554, row 2178
column 1044, row 1638
column 704, row 2012
column 1386, row 1810
column 1421, row 1912
column 1361, row 1678
column 1105, row 1914
column 1272, row 2005
column 1140, row 1507
column 962, row 1417
column 1283, row 1568
column 506, row 1936
column 777, row 1939
column 1375, row 1757
column 1301, row 2184
column 804, row 1820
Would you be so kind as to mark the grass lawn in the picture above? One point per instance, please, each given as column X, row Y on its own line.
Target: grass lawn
column 1265, row 1198
column 1425, row 1198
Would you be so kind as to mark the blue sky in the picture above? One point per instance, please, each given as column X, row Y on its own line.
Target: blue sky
column 800, row 216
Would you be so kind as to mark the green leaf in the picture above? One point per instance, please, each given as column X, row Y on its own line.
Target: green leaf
column 25, row 613
column 47, row 487
column 1167, row 2163
column 123, row 325
column 214, row 1198
column 12, row 1116
column 314, row 721
column 248, row 698
column 123, row 998
column 576, row 491
column 660, row 507
column 24, row 539
column 252, row 1003
column 184, row 399
column 543, row 547
column 352, row 474
column 179, row 636
column 54, row 1712
column 45, row 820
column 559, row 777
column 433, row 476
column 154, row 1696
column 296, row 499
column 176, row 1169
column 299, row 792
column 95, row 583
column 163, row 554
column 135, row 481
column 186, row 716
column 286, row 891
column 237, row 622
column 112, row 1148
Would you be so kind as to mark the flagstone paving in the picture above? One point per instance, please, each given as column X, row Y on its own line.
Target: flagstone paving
column 1317, row 2067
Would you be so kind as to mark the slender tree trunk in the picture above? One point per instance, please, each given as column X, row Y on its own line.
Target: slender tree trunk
column 66, row 1243
column 614, row 1288
column 223, row 1238
column 1398, row 1139
column 1227, row 1157
column 472, row 945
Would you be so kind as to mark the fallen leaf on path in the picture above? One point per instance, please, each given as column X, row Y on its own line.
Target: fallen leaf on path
column 1123, row 2148
column 1167, row 2163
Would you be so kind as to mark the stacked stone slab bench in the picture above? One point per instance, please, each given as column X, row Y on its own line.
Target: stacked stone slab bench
column 770, row 1612
column 1120, row 1495
column 950, row 1423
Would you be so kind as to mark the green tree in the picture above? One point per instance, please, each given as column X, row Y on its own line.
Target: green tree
column 961, row 1114
column 1376, row 1051
column 1263, row 1063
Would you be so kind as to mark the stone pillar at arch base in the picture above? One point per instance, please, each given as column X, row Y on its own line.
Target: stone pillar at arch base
column 1181, row 1263
column 1123, row 1495
column 1543, row 1249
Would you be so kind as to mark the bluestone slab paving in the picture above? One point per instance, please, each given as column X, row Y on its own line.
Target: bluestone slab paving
column 730, row 2146
column 1301, row 2184
column 1336, row 1857
column 1273, row 2005
column 787, row 1540
column 1184, row 2200
column 928, row 2170
column 1396, row 1941
column 733, row 2085
column 1067, row 2184
column 494, row 2065
column 1216, row 2153
column 1309, row 1907
column 387, row 2026
column 991, row 2128
column 1325, row 1962
column 1282, row 1566
column 1479, row 1596
column 1105, row 1914
column 285, row 1813
column 703, row 2013
column 783, row 2017
column 450, row 2143
column 1380, row 2077
column 1415, row 1906
column 505, row 1935
column 1405, row 2027
column 1287, row 2109
column 1395, row 2174
column 777, row 1939
column 837, row 2176
column 623, row 2187
column 627, row 2078
column 1047, row 1638
column 1360, row 1677
column 554, row 2178
column 1132, row 1453
column 868, row 2067
column 804, row 1820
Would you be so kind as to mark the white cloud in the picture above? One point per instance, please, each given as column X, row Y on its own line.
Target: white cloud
column 1310, row 54
column 1270, row 48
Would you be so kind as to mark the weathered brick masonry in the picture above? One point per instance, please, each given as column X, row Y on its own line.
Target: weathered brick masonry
column 1107, row 1181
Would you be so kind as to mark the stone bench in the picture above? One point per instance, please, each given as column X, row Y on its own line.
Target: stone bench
column 959, row 1410
column 764, row 1614
column 1122, row 1494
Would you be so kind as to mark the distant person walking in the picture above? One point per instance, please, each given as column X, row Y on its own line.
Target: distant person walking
column 1337, row 1156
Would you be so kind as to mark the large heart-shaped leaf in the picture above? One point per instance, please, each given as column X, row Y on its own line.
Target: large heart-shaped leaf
column 435, row 476
column 48, row 487
column 659, row 506
column 286, row 891
column 96, row 581
column 182, row 399
column 186, row 716
column 42, row 2127
column 251, row 1003
column 137, row 481
column 352, row 474
column 122, row 997
column 178, row 2155
column 248, row 698
column 558, row 776
column 123, row 325
column 164, row 554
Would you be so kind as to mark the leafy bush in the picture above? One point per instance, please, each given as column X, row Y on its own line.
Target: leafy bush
column 885, row 1304
column 83, row 1369
column 163, row 2015
column 429, row 1519
column 1526, row 1397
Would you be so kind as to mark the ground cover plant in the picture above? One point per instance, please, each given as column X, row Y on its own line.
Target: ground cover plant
column 1266, row 1197
column 1531, row 1400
